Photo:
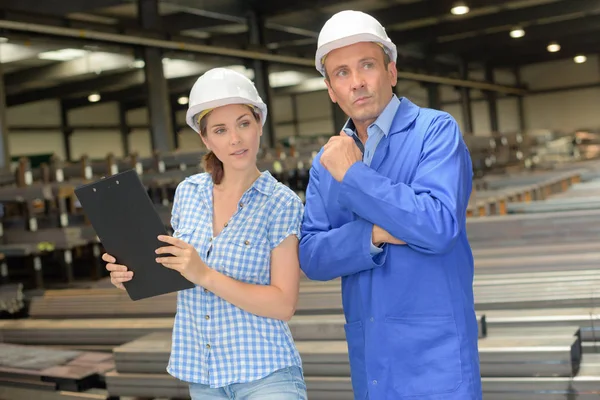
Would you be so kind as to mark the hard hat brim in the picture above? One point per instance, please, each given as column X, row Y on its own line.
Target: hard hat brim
column 190, row 117
column 323, row 50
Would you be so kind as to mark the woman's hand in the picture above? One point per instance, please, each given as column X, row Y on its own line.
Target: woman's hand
column 184, row 259
column 118, row 273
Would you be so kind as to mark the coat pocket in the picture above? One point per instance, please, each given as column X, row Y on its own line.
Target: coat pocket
column 424, row 355
column 355, row 337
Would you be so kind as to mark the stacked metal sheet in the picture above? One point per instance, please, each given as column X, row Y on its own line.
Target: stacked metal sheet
column 535, row 290
column 16, row 392
column 582, row 196
column 44, row 224
column 99, row 303
column 140, row 364
column 534, row 229
column 51, row 369
column 98, row 334
column 492, row 194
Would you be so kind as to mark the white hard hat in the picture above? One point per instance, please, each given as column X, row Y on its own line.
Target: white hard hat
column 349, row 27
column 220, row 87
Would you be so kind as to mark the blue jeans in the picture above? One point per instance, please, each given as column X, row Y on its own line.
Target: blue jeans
column 284, row 384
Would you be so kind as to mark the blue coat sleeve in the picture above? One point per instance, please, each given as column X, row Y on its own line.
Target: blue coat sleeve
column 429, row 214
column 327, row 253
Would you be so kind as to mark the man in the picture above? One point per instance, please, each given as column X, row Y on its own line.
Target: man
column 385, row 211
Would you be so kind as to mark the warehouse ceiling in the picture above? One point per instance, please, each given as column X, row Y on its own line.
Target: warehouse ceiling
column 47, row 51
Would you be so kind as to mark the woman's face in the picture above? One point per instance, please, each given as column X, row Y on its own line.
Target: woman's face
column 233, row 134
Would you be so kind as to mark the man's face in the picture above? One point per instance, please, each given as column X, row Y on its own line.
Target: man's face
column 359, row 80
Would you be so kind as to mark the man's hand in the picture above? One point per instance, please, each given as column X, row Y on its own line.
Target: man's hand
column 380, row 236
column 339, row 154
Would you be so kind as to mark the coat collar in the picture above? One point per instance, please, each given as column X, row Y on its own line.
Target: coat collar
column 383, row 122
column 405, row 116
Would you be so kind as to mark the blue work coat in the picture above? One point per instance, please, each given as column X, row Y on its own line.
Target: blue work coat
column 411, row 325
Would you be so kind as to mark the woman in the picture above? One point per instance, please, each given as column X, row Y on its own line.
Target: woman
column 236, row 233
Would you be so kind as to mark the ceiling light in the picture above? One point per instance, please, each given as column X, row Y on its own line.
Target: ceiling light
column 94, row 97
column 459, row 8
column 580, row 59
column 62, row 55
column 183, row 100
column 285, row 78
column 139, row 64
column 553, row 47
column 517, row 33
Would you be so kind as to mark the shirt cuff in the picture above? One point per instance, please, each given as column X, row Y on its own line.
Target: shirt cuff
column 375, row 250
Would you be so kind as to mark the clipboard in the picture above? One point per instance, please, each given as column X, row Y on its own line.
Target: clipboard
column 127, row 223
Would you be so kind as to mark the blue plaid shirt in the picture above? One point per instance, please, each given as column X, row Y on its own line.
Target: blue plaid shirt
column 214, row 342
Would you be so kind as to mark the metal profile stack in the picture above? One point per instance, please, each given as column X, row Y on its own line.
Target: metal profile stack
column 12, row 302
column 140, row 364
column 44, row 234
column 318, row 327
column 39, row 370
column 101, row 334
column 99, row 303
column 535, row 289
column 492, row 196
column 69, row 317
column 582, row 196
column 537, row 276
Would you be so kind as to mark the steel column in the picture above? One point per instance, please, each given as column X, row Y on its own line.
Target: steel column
column 433, row 96
column 520, row 102
column 492, row 100
column 159, row 105
column 295, row 120
column 125, row 131
column 174, row 110
column 4, row 151
column 67, row 131
column 261, row 72
column 465, row 102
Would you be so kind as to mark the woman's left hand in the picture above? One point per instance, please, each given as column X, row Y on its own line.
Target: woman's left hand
column 184, row 259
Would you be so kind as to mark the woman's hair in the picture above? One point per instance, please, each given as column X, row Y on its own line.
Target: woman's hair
column 211, row 163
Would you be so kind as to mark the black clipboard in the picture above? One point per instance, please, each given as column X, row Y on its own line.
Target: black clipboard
column 127, row 223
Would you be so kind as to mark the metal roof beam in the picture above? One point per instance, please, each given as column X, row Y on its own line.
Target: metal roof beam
column 70, row 88
column 58, row 8
column 452, row 31
column 225, row 52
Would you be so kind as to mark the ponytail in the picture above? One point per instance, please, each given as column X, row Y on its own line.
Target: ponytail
column 214, row 166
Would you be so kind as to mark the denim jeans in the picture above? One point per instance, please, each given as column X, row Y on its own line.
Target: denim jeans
column 284, row 384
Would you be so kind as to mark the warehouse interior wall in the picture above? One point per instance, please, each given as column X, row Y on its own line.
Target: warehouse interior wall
column 563, row 110
column 551, row 106
column 565, row 97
